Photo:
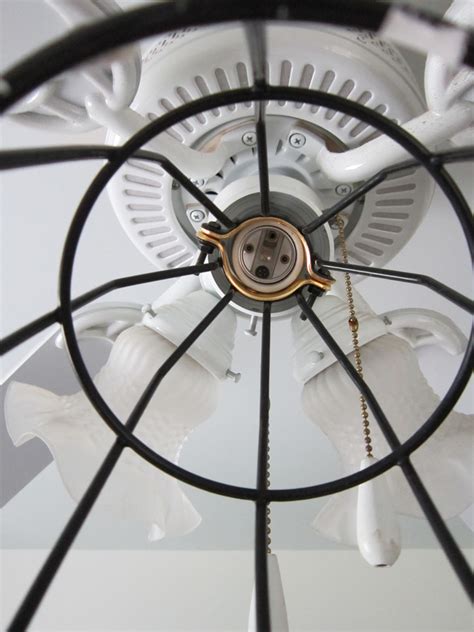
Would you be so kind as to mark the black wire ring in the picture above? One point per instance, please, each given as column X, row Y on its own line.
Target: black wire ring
column 416, row 149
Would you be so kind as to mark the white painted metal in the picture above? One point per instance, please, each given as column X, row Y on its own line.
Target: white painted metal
column 59, row 105
column 186, row 65
column 278, row 614
column 378, row 533
column 213, row 349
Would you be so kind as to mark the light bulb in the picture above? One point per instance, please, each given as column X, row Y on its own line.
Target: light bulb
column 278, row 614
column 79, row 439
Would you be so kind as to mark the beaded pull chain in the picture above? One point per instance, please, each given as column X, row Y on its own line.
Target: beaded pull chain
column 269, row 512
column 354, row 327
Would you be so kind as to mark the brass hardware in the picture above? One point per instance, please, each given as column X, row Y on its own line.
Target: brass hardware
column 303, row 257
column 354, row 327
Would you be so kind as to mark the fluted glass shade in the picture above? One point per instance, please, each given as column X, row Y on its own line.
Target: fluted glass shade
column 444, row 463
column 79, row 439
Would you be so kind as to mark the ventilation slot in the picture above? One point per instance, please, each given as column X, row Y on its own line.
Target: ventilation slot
column 370, row 249
column 409, row 171
column 361, row 127
column 400, row 188
column 386, row 228
column 154, row 231
column 142, row 194
column 362, row 100
column 145, row 181
column 279, row 147
column 224, row 85
column 147, row 220
column 168, row 107
column 359, row 258
column 243, row 79
column 305, row 81
column 185, row 97
column 169, row 252
column 285, row 76
column 144, row 207
column 388, row 215
column 324, row 86
column 145, row 166
column 380, row 240
column 395, row 202
column 162, row 242
column 174, row 263
column 344, row 92
column 205, row 91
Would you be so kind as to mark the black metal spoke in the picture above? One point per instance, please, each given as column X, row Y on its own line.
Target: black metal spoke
column 353, row 196
column 261, row 536
column 36, row 326
column 186, row 183
column 406, row 277
column 49, row 569
column 452, row 551
column 461, row 154
column 31, row 157
column 256, row 38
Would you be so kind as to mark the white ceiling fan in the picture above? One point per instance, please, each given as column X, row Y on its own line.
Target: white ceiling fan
column 337, row 201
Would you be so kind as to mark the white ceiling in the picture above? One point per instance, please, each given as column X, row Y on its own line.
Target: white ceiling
column 37, row 206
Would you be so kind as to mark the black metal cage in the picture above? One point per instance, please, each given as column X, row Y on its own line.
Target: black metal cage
column 85, row 43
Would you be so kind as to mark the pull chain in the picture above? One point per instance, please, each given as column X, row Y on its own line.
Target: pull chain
column 354, row 327
column 269, row 512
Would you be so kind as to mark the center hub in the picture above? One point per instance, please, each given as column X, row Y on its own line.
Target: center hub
column 266, row 256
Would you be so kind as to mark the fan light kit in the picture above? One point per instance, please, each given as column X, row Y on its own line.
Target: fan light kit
column 267, row 155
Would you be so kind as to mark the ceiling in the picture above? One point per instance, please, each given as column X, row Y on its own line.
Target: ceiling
column 37, row 206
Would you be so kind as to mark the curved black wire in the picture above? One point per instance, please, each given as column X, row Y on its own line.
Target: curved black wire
column 131, row 148
column 157, row 127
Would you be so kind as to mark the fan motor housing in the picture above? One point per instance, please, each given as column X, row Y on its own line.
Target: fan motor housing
column 161, row 219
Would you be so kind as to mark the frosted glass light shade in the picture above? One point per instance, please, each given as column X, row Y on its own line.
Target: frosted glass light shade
column 278, row 615
column 445, row 462
column 79, row 439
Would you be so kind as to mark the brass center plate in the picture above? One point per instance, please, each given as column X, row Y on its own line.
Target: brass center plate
column 265, row 258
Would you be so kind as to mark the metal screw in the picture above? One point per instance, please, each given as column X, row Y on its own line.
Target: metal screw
column 252, row 330
column 249, row 248
column 199, row 183
column 175, row 185
column 297, row 140
column 343, row 189
column 197, row 215
column 249, row 139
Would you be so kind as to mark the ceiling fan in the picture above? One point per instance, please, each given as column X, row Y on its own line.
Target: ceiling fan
column 262, row 163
